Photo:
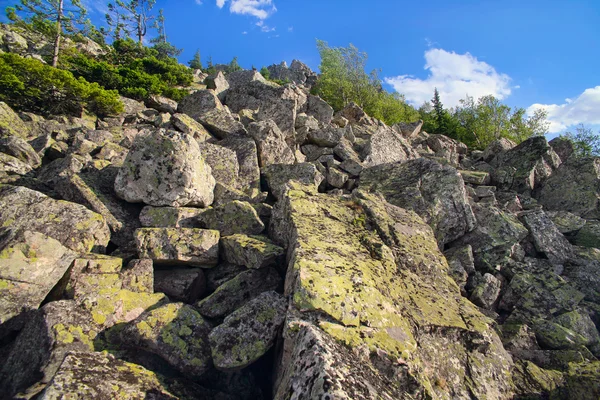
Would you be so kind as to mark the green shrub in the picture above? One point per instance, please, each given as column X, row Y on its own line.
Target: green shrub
column 29, row 85
column 134, row 71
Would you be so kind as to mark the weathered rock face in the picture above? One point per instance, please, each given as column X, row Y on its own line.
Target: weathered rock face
column 11, row 124
column 386, row 146
column 73, row 225
column 278, row 176
column 298, row 73
column 183, row 246
column 165, row 168
column 435, row 192
column 271, row 144
column 574, row 187
column 335, row 265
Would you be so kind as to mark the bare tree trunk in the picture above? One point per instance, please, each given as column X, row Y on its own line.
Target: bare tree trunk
column 58, row 34
column 140, row 29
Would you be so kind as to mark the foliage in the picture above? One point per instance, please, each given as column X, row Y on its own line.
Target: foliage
column 53, row 18
column 161, row 45
column 343, row 80
column 585, row 141
column 233, row 66
column 479, row 123
column 196, row 62
column 264, row 71
column 30, row 85
column 130, row 17
column 210, row 69
column 134, row 71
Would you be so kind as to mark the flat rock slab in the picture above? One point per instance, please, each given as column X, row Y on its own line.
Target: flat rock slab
column 231, row 218
column 181, row 284
column 170, row 217
column 183, row 246
column 252, row 251
column 31, row 264
column 232, row 294
column 177, row 333
column 278, row 175
column 73, row 225
column 248, row 333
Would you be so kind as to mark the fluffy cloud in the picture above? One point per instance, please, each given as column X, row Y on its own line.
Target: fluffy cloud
column 261, row 9
column 585, row 109
column 455, row 76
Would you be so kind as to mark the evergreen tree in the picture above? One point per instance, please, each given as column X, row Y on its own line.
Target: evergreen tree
column 439, row 113
column 64, row 15
column 211, row 70
column 161, row 44
column 196, row 62
column 132, row 16
column 264, row 71
column 234, row 66
column 117, row 22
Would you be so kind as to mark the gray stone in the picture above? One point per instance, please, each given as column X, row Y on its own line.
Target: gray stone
column 170, row 217
column 11, row 124
column 336, row 178
column 187, row 124
column 17, row 147
column 165, row 168
column 566, row 222
column 408, row 130
column 449, row 149
column 278, row 176
column 252, row 251
column 486, row 292
column 179, row 246
column 13, row 166
column 588, row 235
column 220, row 274
column 218, row 83
column 497, row 147
column 180, row 284
column 386, row 146
column 231, row 218
column 234, row 293
column 319, row 109
column 162, row 104
column 271, row 144
column 248, row 333
column 546, row 237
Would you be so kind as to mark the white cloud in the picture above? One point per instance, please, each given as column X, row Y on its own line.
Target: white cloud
column 244, row 33
column 96, row 6
column 264, row 27
column 261, row 9
column 199, row 2
column 585, row 109
column 455, row 76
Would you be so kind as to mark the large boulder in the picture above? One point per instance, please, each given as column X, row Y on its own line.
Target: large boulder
column 11, row 124
column 271, row 144
column 546, row 237
column 279, row 175
column 31, row 264
column 446, row 148
column 252, row 251
column 231, row 218
column 298, row 73
column 165, row 168
column 248, row 333
column 17, row 147
column 247, row 155
column 183, row 246
column 525, row 167
column 338, row 269
column 73, row 225
column 574, row 187
column 205, row 107
column 386, row 146
column 435, row 192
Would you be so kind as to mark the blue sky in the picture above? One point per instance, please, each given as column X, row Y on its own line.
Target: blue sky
column 529, row 53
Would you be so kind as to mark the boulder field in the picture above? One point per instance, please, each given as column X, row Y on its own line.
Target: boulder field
column 250, row 243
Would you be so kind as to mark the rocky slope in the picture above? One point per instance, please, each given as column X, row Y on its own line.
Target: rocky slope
column 248, row 243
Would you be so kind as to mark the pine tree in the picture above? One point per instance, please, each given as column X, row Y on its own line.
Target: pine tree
column 65, row 15
column 234, row 66
column 196, row 62
column 161, row 44
column 439, row 112
column 131, row 16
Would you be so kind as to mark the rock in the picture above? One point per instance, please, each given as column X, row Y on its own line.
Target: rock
column 573, row 187
column 354, row 168
column 475, row 177
column 113, row 153
column 546, row 237
column 494, row 236
column 73, row 225
column 248, row 333
column 51, row 333
column 584, row 272
column 280, row 104
column 314, row 152
column 179, row 246
column 148, row 172
column 496, row 148
column 220, row 274
column 278, row 175
column 386, row 146
column 566, row 222
column 11, row 124
column 17, row 147
column 92, row 272
column 486, row 292
column 461, row 263
column 329, row 136
column 408, row 130
column 563, row 147
column 177, row 333
column 247, row 155
column 271, row 144
column 556, row 337
column 581, row 324
column 31, row 264
column 245, row 77
column 319, row 109
column 336, row 178
column 224, row 166
column 170, row 217
column 205, row 107
column 131, row 106
column 335, row 265
column 298, row 73
column 435, row 192
column 525, row 167
column 218, row 83
column 162, row 104
column 138, row 276
column 234, row 293
column 449, row 149
column 163, row 120
column 13, row 166
column 187, row 124
column 104, row 375
column 182, row 284
column 15, row 43
column 252, row 251
column 588, row 235
column 231, row 218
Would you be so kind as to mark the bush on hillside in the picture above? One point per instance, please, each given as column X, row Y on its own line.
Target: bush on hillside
column 134, row 71
column 27, row 84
